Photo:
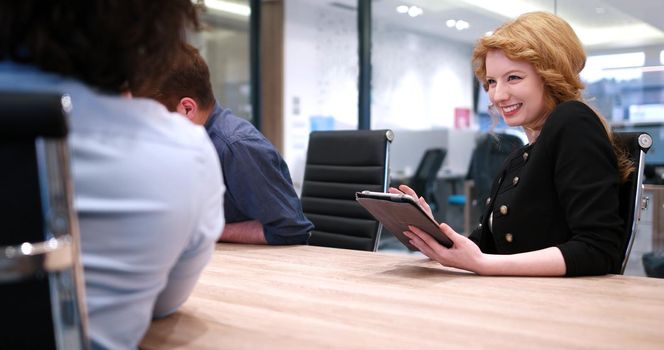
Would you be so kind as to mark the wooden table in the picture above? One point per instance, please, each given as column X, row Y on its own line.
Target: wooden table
column 301, row 297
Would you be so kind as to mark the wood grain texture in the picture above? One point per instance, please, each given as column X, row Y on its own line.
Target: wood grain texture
column 301, row 297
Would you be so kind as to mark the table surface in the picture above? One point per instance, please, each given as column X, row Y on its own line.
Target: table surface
column 303, row 297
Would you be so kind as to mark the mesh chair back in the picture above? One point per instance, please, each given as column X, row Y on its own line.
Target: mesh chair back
column 487, row 160
column 340, row 163
column 40, row 276
column 636, row 144
column 424, row 179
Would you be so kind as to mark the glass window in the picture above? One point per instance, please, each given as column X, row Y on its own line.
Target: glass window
column 224, row 43
column 422, row 78
column 421, row 57
column 320, row 74
column 423, row 86
column 623, row 41
column 422, row 74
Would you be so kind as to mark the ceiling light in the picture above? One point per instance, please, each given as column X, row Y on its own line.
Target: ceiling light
column 458, row 24
column 619, row 60
column 644, row 69
column 415, row 11
column 402, row 9
column 648, row 69
column 631, row 33
column 229, row 7
column 461, row 25
column 622, row 66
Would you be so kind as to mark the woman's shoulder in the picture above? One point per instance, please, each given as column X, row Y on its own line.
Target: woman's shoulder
column 573, row 123
column 572, row 110
column 570, row 115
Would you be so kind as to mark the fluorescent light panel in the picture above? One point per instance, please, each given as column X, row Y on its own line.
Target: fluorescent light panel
column 620, row 33
column 229, row 7
column 644, row 69
column 622, row 66
column 619, row 60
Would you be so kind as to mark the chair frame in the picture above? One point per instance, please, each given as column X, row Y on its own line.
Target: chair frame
column 644, row 143
column 40, row 119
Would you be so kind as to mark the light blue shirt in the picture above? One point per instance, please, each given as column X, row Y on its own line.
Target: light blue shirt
column 148, row 193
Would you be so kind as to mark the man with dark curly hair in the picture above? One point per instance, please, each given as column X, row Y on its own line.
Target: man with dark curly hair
column 148, row 187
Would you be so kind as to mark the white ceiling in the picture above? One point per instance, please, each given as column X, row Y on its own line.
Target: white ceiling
column 601, row 24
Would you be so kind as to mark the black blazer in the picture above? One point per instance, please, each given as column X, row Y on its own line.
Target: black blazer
column 560, row 191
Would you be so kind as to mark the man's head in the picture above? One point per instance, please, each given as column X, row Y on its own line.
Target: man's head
column 184, row 87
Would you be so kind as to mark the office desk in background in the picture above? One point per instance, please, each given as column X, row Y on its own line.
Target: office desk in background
column 654, row 215
column 301, row 297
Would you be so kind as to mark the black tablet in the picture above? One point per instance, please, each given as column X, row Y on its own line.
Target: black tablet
column 397, row 211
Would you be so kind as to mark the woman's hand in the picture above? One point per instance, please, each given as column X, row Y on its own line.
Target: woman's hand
column 403, row 189
column 464, row 253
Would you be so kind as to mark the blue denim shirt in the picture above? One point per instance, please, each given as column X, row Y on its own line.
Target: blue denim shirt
column 258, row 183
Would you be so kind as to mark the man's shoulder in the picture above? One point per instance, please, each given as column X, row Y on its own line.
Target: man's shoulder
column 135, row 132
column 234, row 131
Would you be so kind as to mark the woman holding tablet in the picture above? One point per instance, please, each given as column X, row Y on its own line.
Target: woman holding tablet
column 553, row 209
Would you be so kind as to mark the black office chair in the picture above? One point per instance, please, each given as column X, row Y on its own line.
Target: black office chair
column 653, row 263
column 340, row 163
column 487, row 159
column 636, row 144
column 40, row 274
column 423, row 181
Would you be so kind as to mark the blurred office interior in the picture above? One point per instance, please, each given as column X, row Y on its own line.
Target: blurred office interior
column 294, row 66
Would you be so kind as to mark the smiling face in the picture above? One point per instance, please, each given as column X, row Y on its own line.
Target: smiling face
column 517, row 92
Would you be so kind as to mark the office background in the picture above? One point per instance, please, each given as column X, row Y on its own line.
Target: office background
column 420, row 72
column 293, row 66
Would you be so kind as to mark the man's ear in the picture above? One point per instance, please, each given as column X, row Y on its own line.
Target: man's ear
column 187, row 107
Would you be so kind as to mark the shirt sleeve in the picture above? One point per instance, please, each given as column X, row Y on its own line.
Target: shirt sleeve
column 586, row 179
column 208, row 222
column 260, row 186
